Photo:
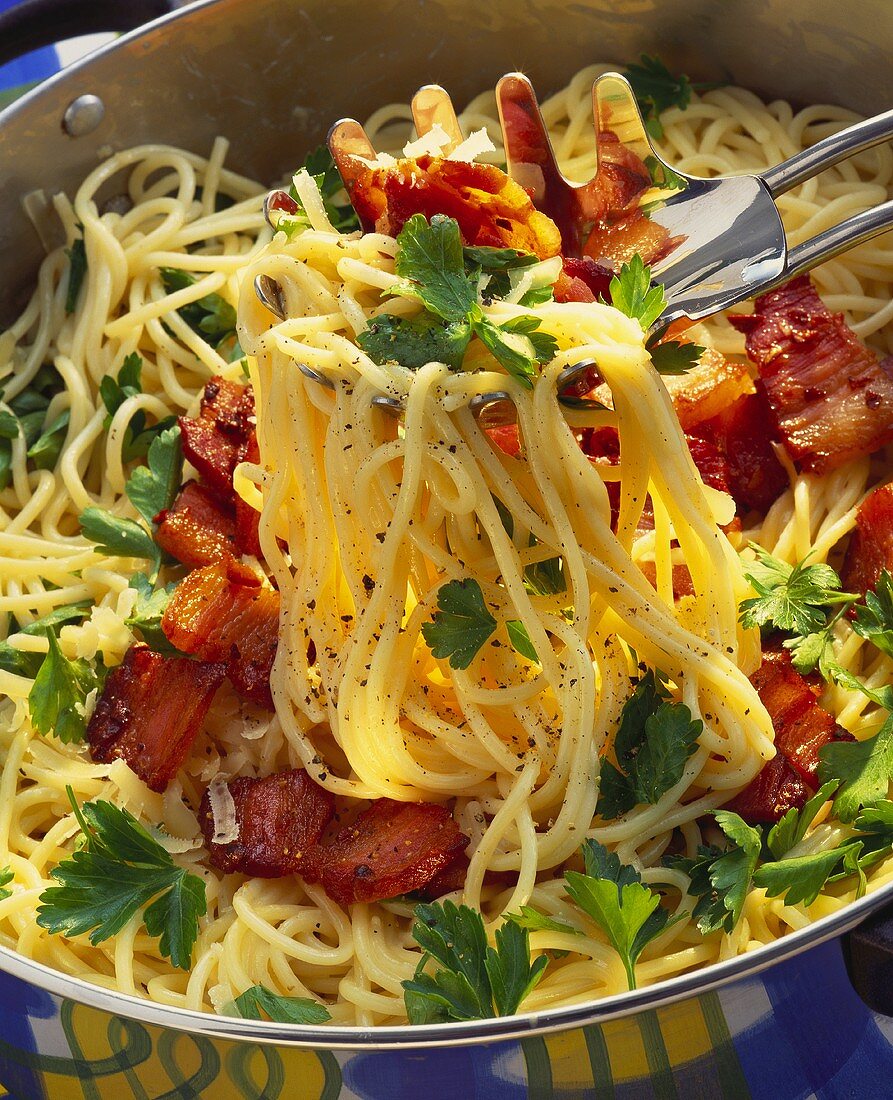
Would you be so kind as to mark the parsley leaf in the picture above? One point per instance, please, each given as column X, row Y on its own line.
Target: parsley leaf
column 654, row 740
column 863, row 768
column 44, row 451
column 152, row 488
column 535, row 921
column 23, row 663
column 720, row 878
column 475, row 981
column 147, row 612
column 801, row 878
column 6, row 877
column 120, row 869
column 77, row 269
column 283, row 1010
column 632, row 293
column 792, row 828
column 430, row 263
column 114, row 535
column 656, row 89
column 57, row 701
column 674, row 356
column 874, row 620
column 414, row 342
column 114, row 391
column 461, row 625
column 790, row 597
column 212, row 317
column 614, row 896
column 520, row 640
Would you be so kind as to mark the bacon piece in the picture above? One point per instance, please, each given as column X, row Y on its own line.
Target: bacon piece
column 392, row 848
column 802, row 728
column 450, row 879
column 223, row 612
column 617, row 240
column 707, row 389
column 871, row 545
column 150, row 711
column 744, row 433
column 196, row 529
column 491, row 208
column 830, row 397
column 506, row 438
column 582, row 280
column 248, row 518
column 216, row 441
column 768, row 797
column 280, row 819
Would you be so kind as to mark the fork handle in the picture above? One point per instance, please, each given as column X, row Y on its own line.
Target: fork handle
column 850, row 232
column 830, row 150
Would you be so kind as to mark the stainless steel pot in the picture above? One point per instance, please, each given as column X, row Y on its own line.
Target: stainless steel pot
column 271, row 75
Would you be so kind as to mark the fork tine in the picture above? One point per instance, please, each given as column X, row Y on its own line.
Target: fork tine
column 432, row 106
column 530, row 158
column 350, row 147
column 614, row 108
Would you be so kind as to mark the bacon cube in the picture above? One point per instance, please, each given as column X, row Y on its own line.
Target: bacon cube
column 280, row 818
column 871, row 546
column 150, row 711
column 831, row 399
column 216, row 441
column 197, row 529
column 223, row 612
column 392, row 848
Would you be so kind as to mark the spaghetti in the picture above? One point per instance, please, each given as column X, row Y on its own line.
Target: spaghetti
column 361, row 525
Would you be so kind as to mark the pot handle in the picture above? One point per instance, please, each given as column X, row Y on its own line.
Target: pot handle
column 34, row 23
column 868, row 953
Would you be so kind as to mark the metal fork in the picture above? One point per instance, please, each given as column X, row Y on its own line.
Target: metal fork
column 726, row 239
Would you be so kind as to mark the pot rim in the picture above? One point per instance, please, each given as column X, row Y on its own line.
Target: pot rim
column 407, row 1036
column 403, row 1036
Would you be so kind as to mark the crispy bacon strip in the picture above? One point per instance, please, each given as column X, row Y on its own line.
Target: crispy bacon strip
column 491, row 208
column 707, row 389
column 280, row 819
column 216, row 441
column 150, row 712
column 744, row 433
column 582, row 280
column 621, row 178
column 830, row 397
column 871, row 545
column 197, row 529
column 802, row 728
column 223, row 612
column 616, row 240
column 392, row 848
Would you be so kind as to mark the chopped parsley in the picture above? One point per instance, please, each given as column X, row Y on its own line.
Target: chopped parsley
column 212, row 317
column 6, row 877
column 114, row 391
column 632, row 293
column 534, row 921
column 26, row 414
column 434, row 269
column 150, row 606
column 77, row 270
column 282, row 1010
column 23, row 663
column 151, row 489
column 461, row 625
column 57, row 702
column 119, row 870
column 614, row 896
column 471, row 981
column 654, row 740
column 874, row 619
column 657, row 89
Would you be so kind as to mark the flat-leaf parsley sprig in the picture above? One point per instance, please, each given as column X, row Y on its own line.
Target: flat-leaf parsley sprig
column 433, row 269
column 472, row 980
column 119, row 870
